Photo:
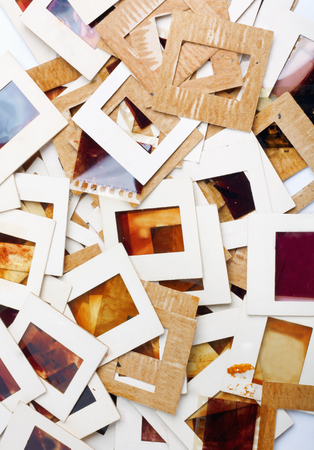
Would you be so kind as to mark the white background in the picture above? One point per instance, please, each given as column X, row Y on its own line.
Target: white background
column 301, row 435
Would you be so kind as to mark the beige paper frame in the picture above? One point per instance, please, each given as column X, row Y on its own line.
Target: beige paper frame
column 21, row 371
column 168, row 374
column 31, row 228
column 39, row 131
column 215, row 278
column 232, row 158
column 162, row 266
column 293, row 122
column 261, row 264
column 287, row 27
column 131, row 89
column 9, row 198
column 65, row 42
column 245, row 350
column 207, row 108
column 49, row 190
column 22, row 424
column 141, row 328
column 73, row 338
column 117, row 142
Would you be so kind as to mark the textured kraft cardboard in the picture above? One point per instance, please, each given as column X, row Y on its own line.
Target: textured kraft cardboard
column 176, row 312
column 226, row 67
column 237, row 268
column 143, row 60
column 292, row 121
column 117, row 25
column 281, row 396
column 192, row 56
column 53, row 74
column 144, row 37
column 303, row 198
column 80, row 257
column 225, row 35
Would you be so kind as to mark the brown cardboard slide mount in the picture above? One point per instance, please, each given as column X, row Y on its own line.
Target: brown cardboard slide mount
column 303, row 198
column 117, row 25
column 144, row 57
column 176, row 312
column 80, row 257
column 53, row 74
column 281, row 396
column 145, row 41
column 293, row 122
column 236, row 114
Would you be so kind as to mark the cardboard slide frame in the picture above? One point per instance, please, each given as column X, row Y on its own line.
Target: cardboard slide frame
column 217, row 325
column 280, row 199
column 55, row 292
column 53, row 74
column 5, row 417
column 9, row 198
column 215, row 278
column 94, row 416
column 53, row 32
column 245, row 350
column 117, row 142
column 23, row 374
column 287, row 29
column 74, row 338
column 159, row 425
column 292, row 121
column 162, row 266
column 128, row 15
column 31, row 228
column 165, row 376
column 39, row 131
column 129, row 429
column 22, row 425
column 64, row 104
column 208, row 108
column 49, row 190
column 261, row 267
column 232, row 158
column 205, row 385
column 141, row 328
column 227, row 73
column 103, row 412
column 131, row 89
column 281, row 396
column 98, row 441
